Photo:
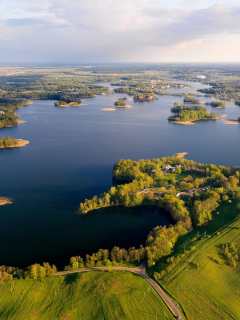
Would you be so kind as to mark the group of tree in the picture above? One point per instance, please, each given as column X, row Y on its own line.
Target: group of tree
column 217, row 104
column 183, row 113
column 230, row 254
column 7, row 106
column 191, row 100
column 120, row 103
column 8, row 142
column 34, row 271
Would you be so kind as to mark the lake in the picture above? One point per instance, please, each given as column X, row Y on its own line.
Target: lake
column 70, row 158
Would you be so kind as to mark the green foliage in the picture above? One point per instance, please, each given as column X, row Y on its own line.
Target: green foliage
column 185, row 113
column 191, row 100
column 217, row 104
column 7, row 142
column 36, row 271
column 120, row 103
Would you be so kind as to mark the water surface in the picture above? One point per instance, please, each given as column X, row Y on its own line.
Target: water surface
column 70, row 158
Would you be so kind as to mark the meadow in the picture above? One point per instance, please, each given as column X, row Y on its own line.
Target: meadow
column 89, row 296
column 203, row 282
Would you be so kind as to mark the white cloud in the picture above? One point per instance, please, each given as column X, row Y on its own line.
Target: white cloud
column 119, row 30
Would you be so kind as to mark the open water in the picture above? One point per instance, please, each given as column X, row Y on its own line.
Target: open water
column 70, row 158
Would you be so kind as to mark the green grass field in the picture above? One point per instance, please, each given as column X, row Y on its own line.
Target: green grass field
column 91, row 295
column 213, row 290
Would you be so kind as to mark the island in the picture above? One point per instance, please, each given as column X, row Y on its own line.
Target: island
column 9, row 142
column 192, row 100
column 121, row 104
column 68, row 102
column 144, row 97
column 217, row 104
column 187, row 115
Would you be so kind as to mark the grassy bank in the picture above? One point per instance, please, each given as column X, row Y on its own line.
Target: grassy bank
column 88, row 296
column 205, row 288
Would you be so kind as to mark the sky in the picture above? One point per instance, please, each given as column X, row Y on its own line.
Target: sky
column 106, row 31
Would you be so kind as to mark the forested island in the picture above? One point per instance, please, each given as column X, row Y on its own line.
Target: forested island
column 217, row 104
column 144, row 97
column 75, row 103
column 7, row 117
column 186, row 115
column 192, row 100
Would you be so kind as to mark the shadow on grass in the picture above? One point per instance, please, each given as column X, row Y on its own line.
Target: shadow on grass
column 71, row 278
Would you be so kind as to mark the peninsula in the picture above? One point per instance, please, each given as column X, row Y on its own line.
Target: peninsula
column 9, row 142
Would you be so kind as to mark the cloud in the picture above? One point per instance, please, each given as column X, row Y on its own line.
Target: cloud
column 120, row 30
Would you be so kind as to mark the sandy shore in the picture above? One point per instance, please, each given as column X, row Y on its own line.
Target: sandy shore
column 126, row 106
column 4, row 200
column 181, row 154
column 230, row 121
column 71, row 104
column 14, row 125
column 193, row 121
column 222, row 116
column 184, row 122
column 21, row 143
column 109, row 109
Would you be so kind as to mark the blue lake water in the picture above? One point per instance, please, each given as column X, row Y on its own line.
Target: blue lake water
column 70, row 158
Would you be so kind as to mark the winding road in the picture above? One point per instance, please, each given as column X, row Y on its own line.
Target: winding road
column 141, row 271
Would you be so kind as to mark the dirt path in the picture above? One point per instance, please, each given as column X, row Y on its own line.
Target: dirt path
column 141, row 271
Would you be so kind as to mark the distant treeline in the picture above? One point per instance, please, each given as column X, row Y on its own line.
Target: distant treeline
column 49, row 95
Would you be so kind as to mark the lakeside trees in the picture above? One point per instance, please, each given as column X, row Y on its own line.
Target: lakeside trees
column 7, row 106
column 7, row 142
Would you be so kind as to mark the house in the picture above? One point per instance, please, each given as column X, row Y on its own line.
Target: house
column 152, row 170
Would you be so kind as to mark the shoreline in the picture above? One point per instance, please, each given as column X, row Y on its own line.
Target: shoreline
column 230, row 121
column 193, row 121
column 21, row 143
column 71, row 104
column 5, row 200
column 109, row 109
column 14, row 125
column 181, row 155
column 126, row 106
